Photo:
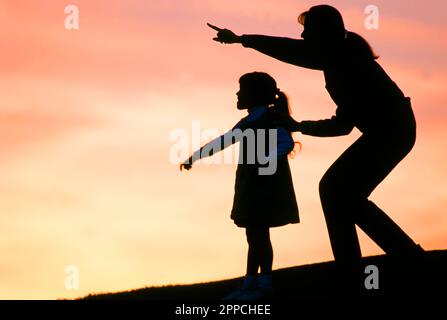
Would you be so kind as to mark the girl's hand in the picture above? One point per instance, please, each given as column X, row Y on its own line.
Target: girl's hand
column 186, row 165
column 225, row 35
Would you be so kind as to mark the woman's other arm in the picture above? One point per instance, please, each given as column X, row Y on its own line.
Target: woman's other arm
column 335, row 126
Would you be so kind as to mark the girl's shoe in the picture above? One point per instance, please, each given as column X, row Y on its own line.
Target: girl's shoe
column 250, row 284
column 259, row 294
column 236, row 294
column 263, row 291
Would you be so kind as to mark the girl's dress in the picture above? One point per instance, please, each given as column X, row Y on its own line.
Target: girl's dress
column 266, row 200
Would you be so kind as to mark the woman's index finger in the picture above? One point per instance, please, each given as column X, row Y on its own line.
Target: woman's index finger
column 213, row 27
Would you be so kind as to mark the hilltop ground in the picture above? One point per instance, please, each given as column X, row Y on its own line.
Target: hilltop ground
column 317, row 281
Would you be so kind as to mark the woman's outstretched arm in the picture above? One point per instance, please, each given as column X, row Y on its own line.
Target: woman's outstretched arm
column 293, row 51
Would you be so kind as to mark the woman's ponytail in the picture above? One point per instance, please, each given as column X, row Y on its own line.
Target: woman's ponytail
column 359, row 46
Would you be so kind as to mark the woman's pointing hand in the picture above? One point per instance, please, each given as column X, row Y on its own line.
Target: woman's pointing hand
column 225, row 35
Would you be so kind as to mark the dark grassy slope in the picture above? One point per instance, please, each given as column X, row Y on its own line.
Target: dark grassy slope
column 397, row 279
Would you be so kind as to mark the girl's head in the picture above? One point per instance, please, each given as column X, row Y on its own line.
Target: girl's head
column 324, row 27
column 259, row 88
column 255, row 89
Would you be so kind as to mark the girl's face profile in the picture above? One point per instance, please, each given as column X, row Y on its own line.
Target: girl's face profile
column 245, row 98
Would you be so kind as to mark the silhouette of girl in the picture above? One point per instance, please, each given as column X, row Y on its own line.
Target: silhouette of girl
column 366, row 98
column 260, row 201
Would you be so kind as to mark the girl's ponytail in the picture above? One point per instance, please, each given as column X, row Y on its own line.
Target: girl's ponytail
column 281, row 104
column 282, row 111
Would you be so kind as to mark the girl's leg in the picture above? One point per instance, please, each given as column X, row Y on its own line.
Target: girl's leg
column 265, row 278
column 260, row 256
column 253, row 257
column 250, row 282
column 260, row 251
column 266, row 260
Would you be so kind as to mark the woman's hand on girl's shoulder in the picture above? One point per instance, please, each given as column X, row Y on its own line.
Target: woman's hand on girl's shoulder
column 288, row 123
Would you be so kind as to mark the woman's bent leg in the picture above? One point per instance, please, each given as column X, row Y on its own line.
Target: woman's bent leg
column 344, row 192
column 386, row 233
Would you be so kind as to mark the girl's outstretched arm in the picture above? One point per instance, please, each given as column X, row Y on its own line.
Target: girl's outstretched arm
column 216, row 145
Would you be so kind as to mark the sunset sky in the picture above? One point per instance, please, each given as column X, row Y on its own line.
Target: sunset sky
column 85, row 120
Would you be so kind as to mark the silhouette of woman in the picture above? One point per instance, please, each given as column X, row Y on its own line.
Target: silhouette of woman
column 366, row 98
column 260, row 200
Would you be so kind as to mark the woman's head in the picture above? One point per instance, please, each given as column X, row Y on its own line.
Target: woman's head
column 322, row 23
column 324, row 27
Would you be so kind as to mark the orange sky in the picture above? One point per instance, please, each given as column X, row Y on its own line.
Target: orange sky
column 85, row 117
